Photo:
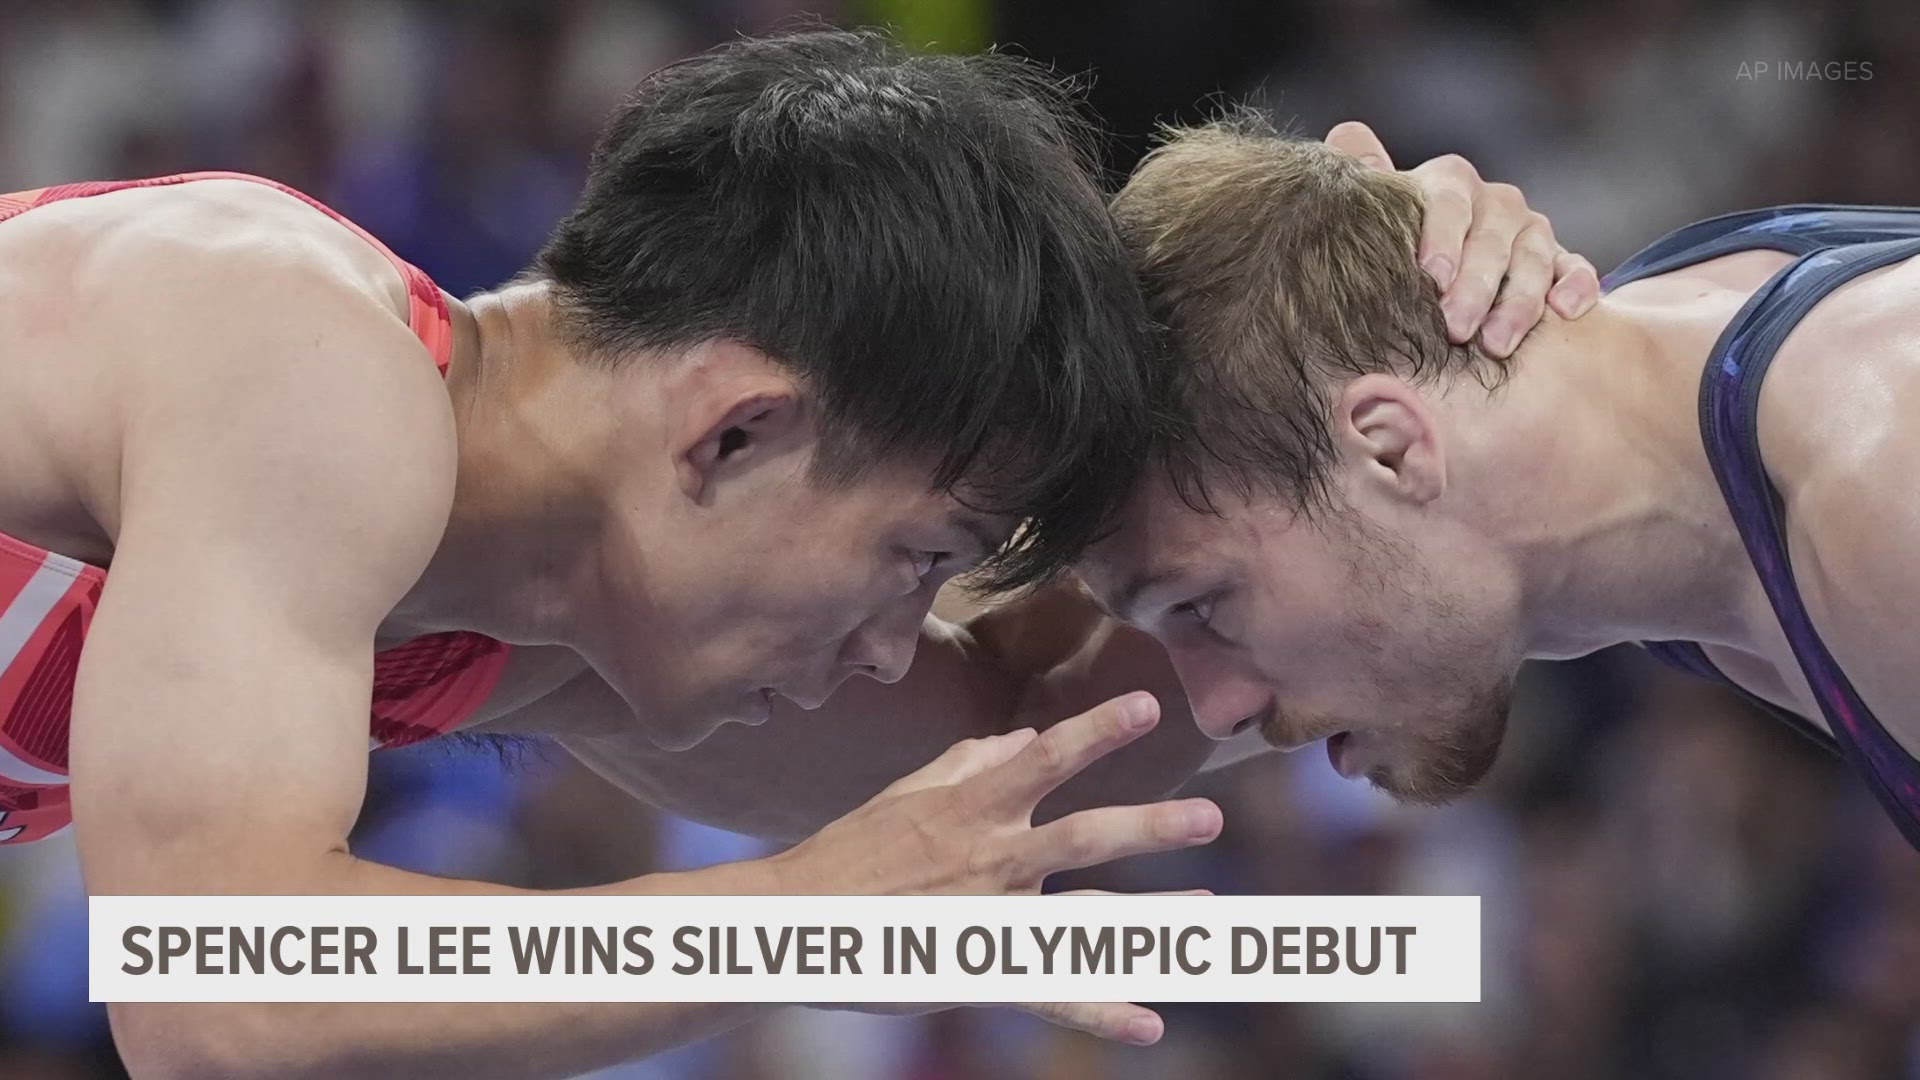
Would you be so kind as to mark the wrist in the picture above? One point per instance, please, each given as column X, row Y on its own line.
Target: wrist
column 789, row 873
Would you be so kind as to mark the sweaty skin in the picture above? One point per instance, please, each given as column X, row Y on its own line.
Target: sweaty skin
column 1505, row 541
column 1836, row 421
column 982, row 670
column 1553, row 560
column 212, row 391
column 264, row 456
column 1021, row 664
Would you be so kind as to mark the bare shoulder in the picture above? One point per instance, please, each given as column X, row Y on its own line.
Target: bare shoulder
column 1839, row 421
column 201, row 300
column 202, row 257
column 210, row 222
column 1841, row 402
column 258, row 368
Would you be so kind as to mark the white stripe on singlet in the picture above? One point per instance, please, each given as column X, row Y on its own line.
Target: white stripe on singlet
column 17, row 625
column 15, row 771
column 43, row 590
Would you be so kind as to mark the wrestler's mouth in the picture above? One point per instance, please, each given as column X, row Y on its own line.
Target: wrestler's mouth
column 808, row 702
column 1273, row 730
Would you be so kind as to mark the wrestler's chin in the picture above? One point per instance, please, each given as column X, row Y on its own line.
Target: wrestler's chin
column 694, row 726
column 1429, row 782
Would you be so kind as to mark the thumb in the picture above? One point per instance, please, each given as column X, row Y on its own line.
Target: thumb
column 1357, row 140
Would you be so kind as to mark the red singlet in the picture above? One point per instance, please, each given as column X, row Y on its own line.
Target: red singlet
column 421, row 688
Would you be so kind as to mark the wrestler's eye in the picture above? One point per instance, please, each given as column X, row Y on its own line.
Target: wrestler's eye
column 924, row 562
column 1199, row 611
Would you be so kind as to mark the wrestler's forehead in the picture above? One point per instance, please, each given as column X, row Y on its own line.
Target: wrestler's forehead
column 1160, row 517
column 1160, row 536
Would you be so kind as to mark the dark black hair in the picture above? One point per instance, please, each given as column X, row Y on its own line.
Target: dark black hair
column 920, row 238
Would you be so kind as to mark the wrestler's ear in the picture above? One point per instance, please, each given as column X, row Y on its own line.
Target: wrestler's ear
column 736, row 412
column 1387, row 439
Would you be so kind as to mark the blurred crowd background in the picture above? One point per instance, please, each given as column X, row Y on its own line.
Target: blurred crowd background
column 1674, row 887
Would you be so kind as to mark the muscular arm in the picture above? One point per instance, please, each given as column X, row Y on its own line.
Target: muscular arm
column 1838, row 433
column 285, row 473
column 281, row 487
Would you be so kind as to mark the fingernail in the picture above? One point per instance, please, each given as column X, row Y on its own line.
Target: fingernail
column 1373, row 161
column 1137, row 711
column 1143, row 1031
column 1499, row 340
column 1200, row 820
column 1456, row 323
column 1441, row 269
column 1570, row 301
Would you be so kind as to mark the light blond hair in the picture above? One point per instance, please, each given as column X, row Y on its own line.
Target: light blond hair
column 1282, row 268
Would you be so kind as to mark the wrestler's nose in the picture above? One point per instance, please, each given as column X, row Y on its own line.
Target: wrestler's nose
column 882, row 647
column 1222, row 697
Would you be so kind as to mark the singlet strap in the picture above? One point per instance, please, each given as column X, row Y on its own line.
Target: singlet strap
column 427, row 313
column 1798, row 229
column 1729, row 424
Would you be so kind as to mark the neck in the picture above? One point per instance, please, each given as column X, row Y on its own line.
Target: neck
column 1615, row 520
column 523, row 517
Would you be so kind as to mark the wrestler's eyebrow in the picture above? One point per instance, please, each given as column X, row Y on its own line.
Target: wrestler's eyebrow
column 979, row 530
column 1139, row 585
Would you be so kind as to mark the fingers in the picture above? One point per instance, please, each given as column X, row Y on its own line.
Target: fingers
column 1449, row 186
column 1357, row 140
column 1576, row 286
column 1523, row 299
column 1116, row 1020
column 963, row 760
column 1477, row 235
column 1509, row 266
column 1500, row 216
column 1092, row 837
column 1066, row 748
